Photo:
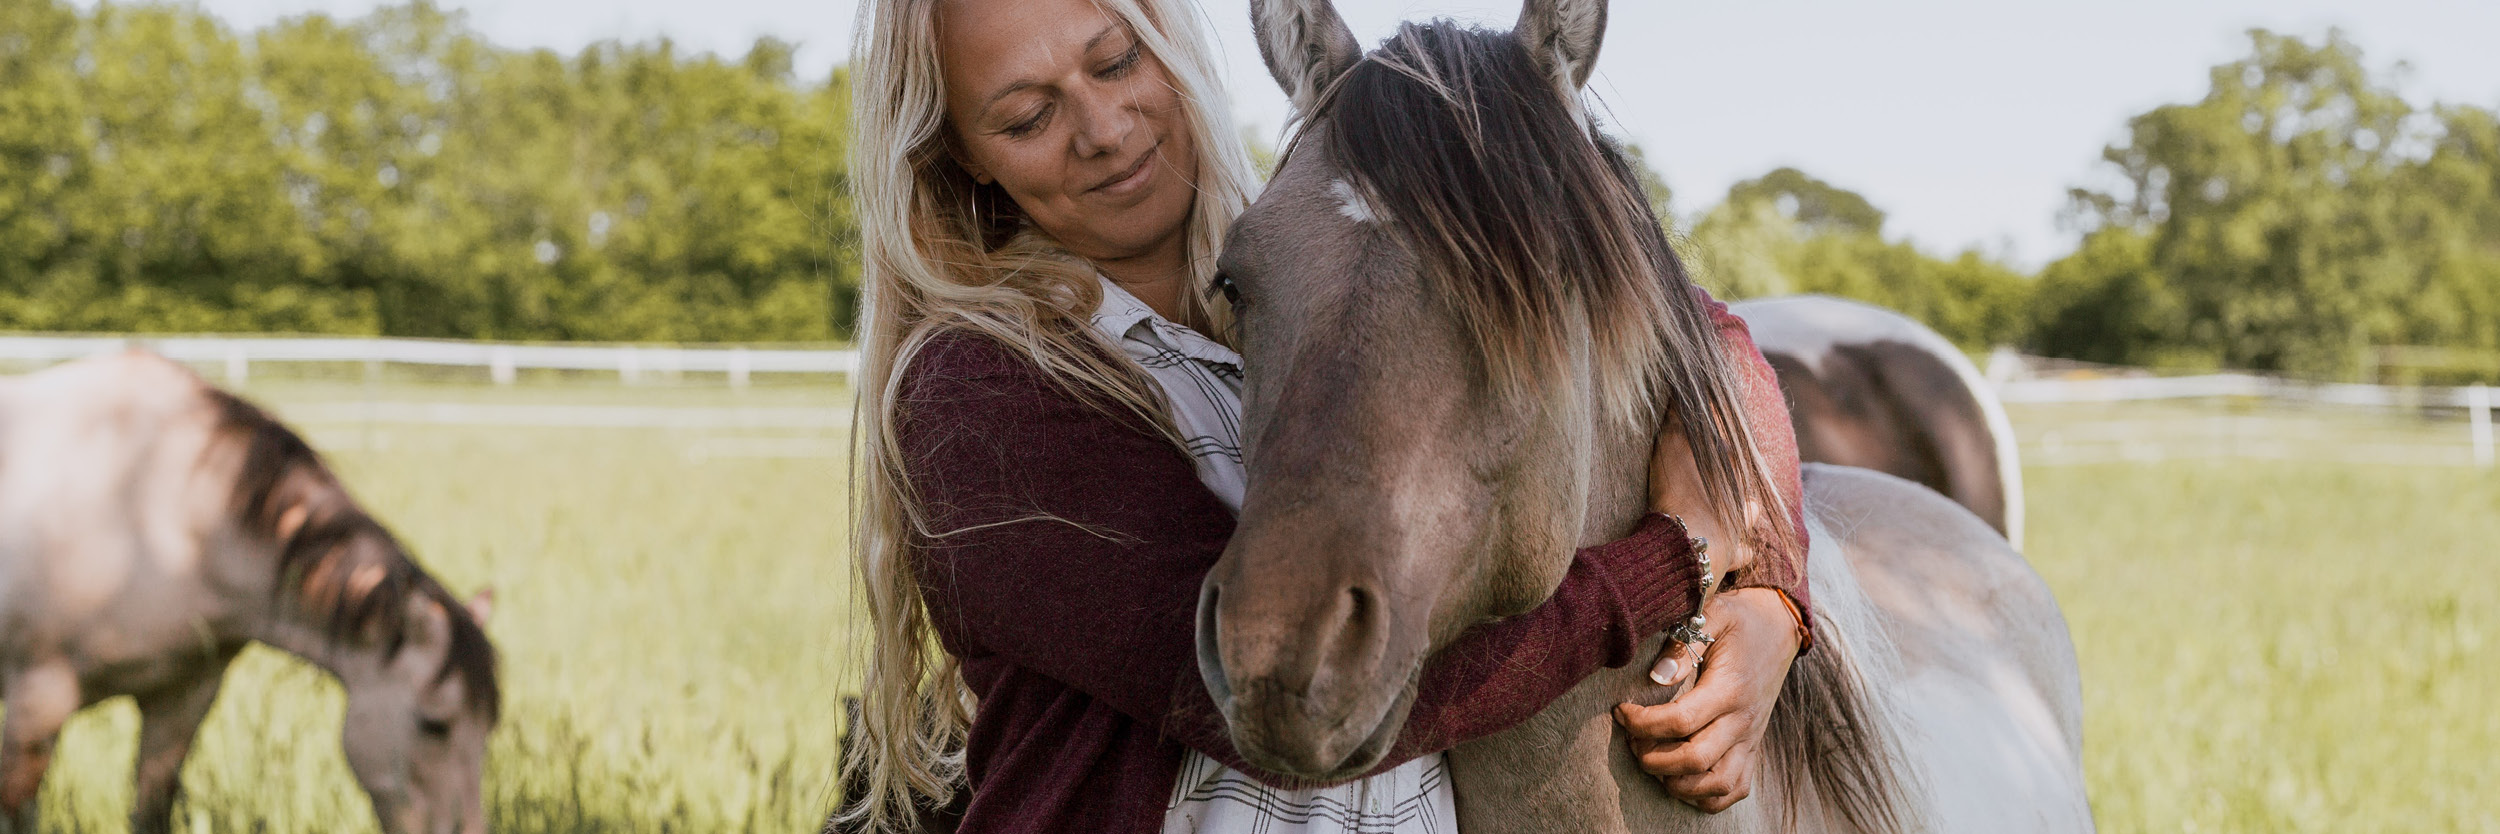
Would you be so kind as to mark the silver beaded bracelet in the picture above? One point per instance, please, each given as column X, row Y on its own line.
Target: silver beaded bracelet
column 1690, row 631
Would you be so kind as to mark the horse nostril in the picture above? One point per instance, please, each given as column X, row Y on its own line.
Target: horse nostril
column 1210, row 648
column 1359, row 607
column 1355, row 640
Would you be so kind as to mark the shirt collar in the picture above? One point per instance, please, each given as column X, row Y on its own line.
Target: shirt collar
column 1122, row 316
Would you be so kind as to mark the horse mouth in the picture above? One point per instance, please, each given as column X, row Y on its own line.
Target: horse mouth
column 1291, row 734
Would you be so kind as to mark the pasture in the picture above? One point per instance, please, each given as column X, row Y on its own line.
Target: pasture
column 2296, row 644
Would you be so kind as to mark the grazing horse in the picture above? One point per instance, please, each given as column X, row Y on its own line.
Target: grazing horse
column 150, row 527
column 1450, row 296
column 1870, row 387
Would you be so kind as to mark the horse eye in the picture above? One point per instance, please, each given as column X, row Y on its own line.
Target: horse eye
column 1223, row 283
column 433, row 728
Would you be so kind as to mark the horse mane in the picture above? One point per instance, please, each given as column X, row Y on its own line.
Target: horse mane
column 1526, row 228
column 335, row 561
column 1533, row 229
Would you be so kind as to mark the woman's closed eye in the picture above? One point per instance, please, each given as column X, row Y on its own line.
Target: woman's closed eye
column 1123, row 65
column 1028, row 125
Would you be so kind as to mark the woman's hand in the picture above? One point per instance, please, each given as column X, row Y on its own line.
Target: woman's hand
column 1675, row 489
column 1705, row 744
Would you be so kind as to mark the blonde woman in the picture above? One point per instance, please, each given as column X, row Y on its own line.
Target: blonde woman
column 1049, row 410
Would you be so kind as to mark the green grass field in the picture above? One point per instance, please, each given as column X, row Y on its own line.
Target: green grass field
column 2266, row 646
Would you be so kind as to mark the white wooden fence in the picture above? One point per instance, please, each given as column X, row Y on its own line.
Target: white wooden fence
column 2475, row 400
column 502, row 362
column 631, row 363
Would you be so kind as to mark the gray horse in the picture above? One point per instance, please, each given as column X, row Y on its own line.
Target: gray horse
column 1463, row 328
column 1871, row 387
column 150, row 527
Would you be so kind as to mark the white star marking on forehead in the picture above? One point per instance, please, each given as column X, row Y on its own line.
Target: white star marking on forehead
column 1351, row 204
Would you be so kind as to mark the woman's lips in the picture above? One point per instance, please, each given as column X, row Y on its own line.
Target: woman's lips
column 1134, row 178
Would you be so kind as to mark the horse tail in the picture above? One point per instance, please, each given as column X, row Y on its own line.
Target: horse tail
column 1836, row 734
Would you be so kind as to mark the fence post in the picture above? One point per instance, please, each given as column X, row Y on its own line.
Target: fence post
column 238, row 366
column 629, row 365
column 499, row 365
column 738, row 368
column 2478, row 418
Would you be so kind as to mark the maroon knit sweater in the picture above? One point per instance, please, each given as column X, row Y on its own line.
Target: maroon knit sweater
column 1078, row 634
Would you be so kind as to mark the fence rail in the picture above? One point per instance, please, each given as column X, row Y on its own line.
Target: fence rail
column 2476, row 400
column 504, row 361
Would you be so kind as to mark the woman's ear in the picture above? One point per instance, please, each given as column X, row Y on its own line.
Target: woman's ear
column 955, row 151
column 979, row 174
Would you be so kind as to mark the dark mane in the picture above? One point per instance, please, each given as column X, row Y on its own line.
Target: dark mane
column 1527, row 228
column 333, row 542
column 1533, row 231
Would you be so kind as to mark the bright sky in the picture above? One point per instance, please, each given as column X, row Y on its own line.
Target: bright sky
column 1967, row 120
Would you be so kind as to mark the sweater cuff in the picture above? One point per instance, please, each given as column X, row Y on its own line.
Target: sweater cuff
column 1656, row 579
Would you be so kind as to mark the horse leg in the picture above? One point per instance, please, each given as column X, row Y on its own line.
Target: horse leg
column 169, row 719
column 39, row 699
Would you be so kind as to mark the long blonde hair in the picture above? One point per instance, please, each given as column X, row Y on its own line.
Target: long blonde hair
column 942, row 251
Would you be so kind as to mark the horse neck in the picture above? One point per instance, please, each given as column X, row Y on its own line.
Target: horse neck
column 288, row 629
column 292, row 621
column 1618, row 477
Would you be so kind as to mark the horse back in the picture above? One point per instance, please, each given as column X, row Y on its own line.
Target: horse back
column 1870, row 388
column 103, row 515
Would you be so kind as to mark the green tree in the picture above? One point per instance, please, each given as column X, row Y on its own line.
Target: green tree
column 2106, row 303
column 42, row 155
column 396, row 174
column 2278, row 213
column 1787, row 233
column 1812, row 203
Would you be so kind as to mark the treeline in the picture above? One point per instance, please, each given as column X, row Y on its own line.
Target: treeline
column 397, row 175
column 2303, row 217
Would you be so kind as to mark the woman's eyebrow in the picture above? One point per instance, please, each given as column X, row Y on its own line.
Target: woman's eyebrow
column 1090, row 44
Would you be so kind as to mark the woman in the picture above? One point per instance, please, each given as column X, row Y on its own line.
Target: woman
column 1050, row 466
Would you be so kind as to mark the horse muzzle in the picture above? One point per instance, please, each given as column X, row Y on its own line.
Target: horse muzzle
column 1313, row 679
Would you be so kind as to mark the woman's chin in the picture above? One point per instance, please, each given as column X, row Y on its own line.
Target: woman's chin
column 1127, row 242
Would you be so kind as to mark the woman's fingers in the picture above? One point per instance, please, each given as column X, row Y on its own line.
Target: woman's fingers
column 1702, row 745
column 1696, row 755
column 1686, row 715
column 1719, row 789
column 1675, row 663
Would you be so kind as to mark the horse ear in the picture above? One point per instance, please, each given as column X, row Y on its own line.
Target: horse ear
column 1562, row 36
column 481, row 605
column 1306, row 46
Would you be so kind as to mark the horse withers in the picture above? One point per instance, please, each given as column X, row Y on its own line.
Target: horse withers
column 150, row 527
column 1463, row 330
column 1870, row 387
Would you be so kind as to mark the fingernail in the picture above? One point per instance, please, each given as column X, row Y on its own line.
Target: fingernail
column 1664, row 674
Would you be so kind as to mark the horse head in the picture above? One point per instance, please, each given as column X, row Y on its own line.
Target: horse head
column 1462, row 328
column 418, row 719
column 415, row 661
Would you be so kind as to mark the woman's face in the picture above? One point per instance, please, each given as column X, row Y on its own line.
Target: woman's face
column 1057, row 102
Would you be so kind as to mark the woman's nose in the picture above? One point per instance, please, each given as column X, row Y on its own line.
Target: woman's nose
column 1104, row 121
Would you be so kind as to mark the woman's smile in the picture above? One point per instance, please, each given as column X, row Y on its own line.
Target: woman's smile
column 1135, row 179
